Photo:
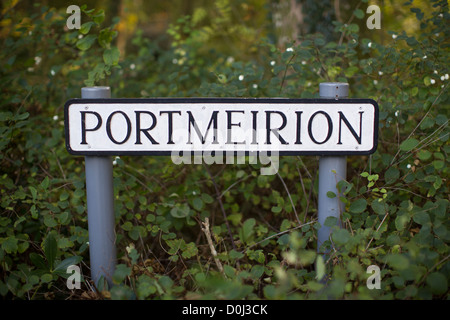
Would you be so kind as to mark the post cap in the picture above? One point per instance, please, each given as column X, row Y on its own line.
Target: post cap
column 333, row 90
column 96, row 92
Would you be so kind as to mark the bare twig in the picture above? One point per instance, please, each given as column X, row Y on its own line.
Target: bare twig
column 290, row 198
column 207, row 233
column 385, row 216
column 218, row 197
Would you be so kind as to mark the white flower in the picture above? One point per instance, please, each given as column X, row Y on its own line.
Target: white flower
column 432, row 81
column 435, row 72
column 174, row 60
column 52, row 72
column 442, row 78
column 255, row 86
column 394, row 36
column 132, row 66
column 396, row 113
column 369, row 44
column 114, row 162
column 80, row 36
column 375, row 82
column 290, row 49
column 37, row 60
column 380, row 73
column 241, row 77
column 408, row 166
column 303, row 62
column 424, row 57
column 272, row 63
column 446, row 76
column 55, row 117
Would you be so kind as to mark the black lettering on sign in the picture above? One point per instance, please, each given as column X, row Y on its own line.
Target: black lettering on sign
column 108, row 127
column 144, row 131
column 275, row 131
column 170, row 124
column 330, row 127
column 192, row 122
column 230, row 124
column 353, row 132
column 83, row 124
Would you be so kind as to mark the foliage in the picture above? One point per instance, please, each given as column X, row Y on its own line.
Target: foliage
column 263, row 228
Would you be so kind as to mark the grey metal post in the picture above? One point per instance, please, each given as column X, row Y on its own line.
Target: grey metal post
column 100, row 205
column 332, row 169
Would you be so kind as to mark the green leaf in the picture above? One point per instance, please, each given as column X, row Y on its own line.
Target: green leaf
column 331, row 194
column 45, row 183
column 180, row 211
column 257, row 271
column 86, row 42
column 207, row 198
column 438, row 164
column 33, row 192
column 235, row 254
column 378, row 207
column 50, row 248
column 340, row 236
column 330, row 221
column 320, row 267
column 86, row 27
column 358, row 13
column 391, row 175
column 358, row 206
column 409, row 144
column 46, row 278
column 145, row 288
column 438, row 283
column 61, row 268
column 247, row 229
column 421, row 218
column 10, row 245
column 111, row 56
column 38, row 261
column 99, row 17
column 401, row 222
column 121, row 272
column 197, row 203
column 397, row 261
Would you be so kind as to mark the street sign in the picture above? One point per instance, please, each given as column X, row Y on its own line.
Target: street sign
column 164, row 126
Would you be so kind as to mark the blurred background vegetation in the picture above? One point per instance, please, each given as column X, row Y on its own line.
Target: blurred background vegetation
column 264, row 227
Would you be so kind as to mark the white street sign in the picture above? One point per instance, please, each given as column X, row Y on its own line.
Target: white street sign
column 167, row 125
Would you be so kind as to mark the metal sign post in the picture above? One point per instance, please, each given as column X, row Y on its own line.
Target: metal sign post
column 100, row 205
column 97, row 127
column 332, row 169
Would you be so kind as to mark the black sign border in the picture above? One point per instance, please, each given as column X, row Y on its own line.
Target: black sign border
column 218, row 100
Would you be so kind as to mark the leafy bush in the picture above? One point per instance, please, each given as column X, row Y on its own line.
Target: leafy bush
column 262, row 229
